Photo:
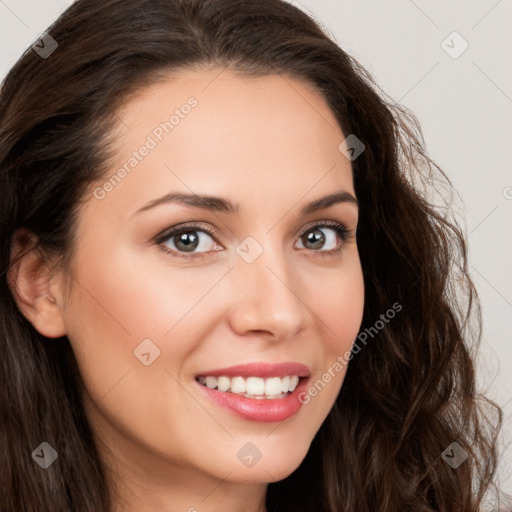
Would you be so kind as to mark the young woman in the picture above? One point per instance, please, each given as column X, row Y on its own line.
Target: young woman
column 221, row 289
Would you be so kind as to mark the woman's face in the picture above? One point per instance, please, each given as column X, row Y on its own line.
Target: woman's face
column 263, row 283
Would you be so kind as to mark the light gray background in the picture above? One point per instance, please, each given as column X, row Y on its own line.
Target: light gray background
column 464, row 105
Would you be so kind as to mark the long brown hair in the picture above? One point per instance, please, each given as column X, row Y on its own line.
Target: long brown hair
column 409, row 392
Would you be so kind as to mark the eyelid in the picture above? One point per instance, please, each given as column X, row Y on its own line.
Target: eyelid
column 184, row 226
column 323, row 223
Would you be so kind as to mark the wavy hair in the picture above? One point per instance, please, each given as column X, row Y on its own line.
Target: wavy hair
column 407, row 395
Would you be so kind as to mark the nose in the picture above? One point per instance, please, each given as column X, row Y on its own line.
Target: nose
column 267, row 296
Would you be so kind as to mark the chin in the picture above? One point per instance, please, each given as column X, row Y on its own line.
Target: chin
column 273, row 469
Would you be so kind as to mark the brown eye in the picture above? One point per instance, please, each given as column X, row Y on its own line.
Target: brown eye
column 186, row 240
column 326, row 234
column 314, row 237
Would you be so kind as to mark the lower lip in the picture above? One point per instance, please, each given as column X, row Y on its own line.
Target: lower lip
column 254, row 409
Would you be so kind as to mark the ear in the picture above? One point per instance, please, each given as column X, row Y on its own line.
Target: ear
column 36, row 290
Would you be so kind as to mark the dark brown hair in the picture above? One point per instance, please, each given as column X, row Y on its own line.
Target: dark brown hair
column 408, row 394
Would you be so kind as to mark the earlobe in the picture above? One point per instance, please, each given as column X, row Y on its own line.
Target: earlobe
column 35, row 290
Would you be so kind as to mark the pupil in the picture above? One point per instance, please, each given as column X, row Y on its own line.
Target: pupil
column 189, row 239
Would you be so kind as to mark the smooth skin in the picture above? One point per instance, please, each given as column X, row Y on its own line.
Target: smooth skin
column 269, row 144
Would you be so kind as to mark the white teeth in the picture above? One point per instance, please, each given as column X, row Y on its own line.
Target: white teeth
column 211, row 382
column 255, row 386
column 273, row 386
column 252, row 387
column 238, row 385
column 223, row 383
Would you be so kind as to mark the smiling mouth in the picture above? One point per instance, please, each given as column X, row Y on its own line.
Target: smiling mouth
column 252, row 387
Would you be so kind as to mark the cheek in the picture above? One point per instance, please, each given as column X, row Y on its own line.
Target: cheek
column 118, row 312
column 119, row 302
column 340, row 305
column 139, row 298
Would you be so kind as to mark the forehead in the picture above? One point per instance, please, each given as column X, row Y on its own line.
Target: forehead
column 217, row 132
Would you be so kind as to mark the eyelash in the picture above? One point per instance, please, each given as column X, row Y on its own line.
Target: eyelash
column 339, row 228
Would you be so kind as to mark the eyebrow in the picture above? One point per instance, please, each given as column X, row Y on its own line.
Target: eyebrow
column 225, row 206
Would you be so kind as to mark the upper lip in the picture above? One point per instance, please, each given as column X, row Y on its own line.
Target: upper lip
column 260, row 370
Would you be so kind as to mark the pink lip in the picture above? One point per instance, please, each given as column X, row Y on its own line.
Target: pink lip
column 260, row 370
column 261, row 410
